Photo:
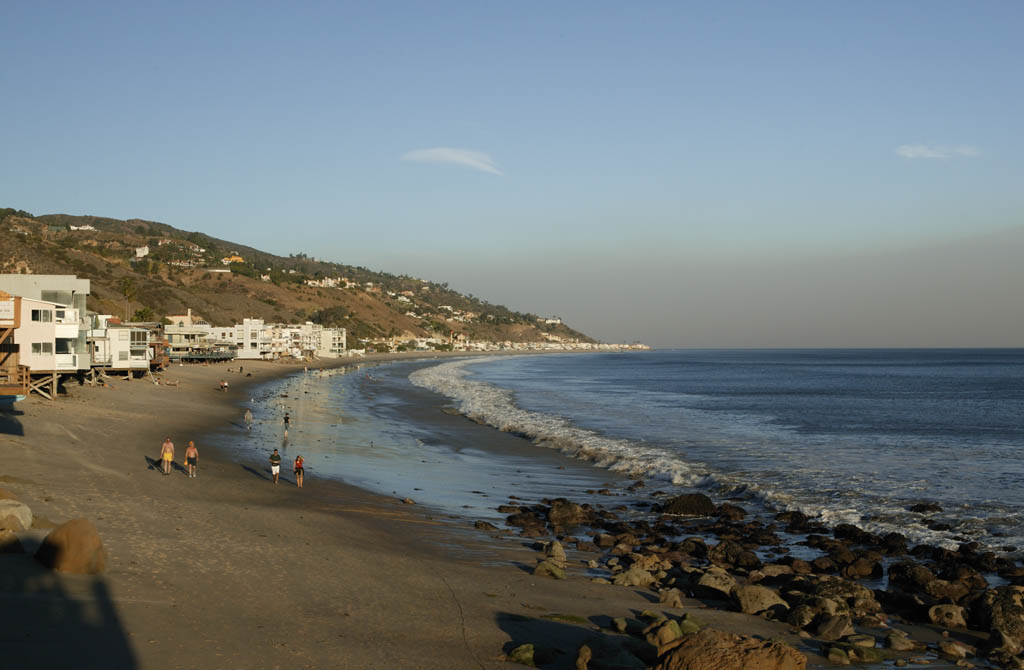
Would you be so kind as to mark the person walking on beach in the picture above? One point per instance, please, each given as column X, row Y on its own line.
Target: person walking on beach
column 287, row 423
column 298, row 471
column 191, row 458
column 275, row 465
column 248, row 418
column 167, row 454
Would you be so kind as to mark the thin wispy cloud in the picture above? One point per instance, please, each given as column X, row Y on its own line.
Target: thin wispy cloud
column 465, row 157
column 936, row 151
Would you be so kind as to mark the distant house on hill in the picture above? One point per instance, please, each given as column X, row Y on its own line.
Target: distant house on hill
column 141, row 252
column 233, row 258
column 85, row 227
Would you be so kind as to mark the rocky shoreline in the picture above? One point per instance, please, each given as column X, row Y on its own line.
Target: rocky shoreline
column 857, row 597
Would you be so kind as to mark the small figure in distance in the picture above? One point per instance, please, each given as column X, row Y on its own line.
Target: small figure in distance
column 191, row 458
column 275, row 465
column 167, row 454
column 287, row 423
column 223, row 385
column 298, row 471
column 248, row 418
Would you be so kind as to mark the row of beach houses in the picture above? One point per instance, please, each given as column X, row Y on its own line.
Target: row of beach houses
column 47, row 333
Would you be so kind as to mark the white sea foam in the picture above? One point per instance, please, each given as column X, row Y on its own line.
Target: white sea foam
column 496, row 407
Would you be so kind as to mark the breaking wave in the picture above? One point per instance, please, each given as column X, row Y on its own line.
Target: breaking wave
column 491, row 405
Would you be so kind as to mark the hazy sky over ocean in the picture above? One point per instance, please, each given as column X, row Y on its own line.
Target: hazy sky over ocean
column 762, row 174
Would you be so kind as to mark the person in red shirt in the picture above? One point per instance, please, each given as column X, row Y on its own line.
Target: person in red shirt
column 298, row 471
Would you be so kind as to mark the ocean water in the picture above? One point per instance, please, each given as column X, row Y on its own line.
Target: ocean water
column 845, row 435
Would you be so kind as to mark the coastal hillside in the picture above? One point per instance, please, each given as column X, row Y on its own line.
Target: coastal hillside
column 147, row 270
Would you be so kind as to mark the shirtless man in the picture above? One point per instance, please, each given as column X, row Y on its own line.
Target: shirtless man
column 167, row 454
column 248, row 418
column 191, row 458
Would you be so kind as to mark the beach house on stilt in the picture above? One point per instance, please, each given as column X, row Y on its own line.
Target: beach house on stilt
column 51, row 333
column 14, row 377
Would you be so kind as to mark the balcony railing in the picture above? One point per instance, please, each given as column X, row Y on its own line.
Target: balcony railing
column 14, row 381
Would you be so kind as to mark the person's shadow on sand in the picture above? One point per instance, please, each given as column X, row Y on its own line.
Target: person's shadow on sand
column 155, row 464
column 256, row 472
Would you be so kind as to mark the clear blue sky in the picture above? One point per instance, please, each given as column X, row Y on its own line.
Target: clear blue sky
column 596, row 142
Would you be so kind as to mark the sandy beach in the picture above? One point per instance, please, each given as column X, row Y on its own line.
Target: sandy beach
column 228, row 570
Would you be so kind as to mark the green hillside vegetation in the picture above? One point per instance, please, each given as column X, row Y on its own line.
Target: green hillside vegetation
column 176, row 275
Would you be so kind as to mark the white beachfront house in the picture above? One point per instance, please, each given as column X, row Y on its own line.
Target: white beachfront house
column 252, row 338
column 47, row 337
column 66, row 290
column 119, row 347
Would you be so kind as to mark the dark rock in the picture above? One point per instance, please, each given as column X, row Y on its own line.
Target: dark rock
column 521, row 519
column 909, row 576
column 925, row 508
column 834, row 627
column 794, row 519
column 824, row 564
column 568, row 514
column 948, row 592
column 863, row 568
column 690, row 504
column 894, row 544
column 483, row 525
column 848, row 531
column 731, row 512
column 800, row 566
column 693, row 546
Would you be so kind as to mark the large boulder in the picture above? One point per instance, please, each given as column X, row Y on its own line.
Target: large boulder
column 546, row 568
column 1001, row 612
column 690, row 504
column 555, row 553
column 566, row 513
column 753, row 599
column 834, row 627
column 14, row 515
column 950, row 616
column 909, row 576
column 635, row 576
column 73, row 547
column 714, row 583
column 714, row 650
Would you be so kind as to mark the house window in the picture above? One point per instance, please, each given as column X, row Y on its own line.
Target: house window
column 123, row 335
column 139, row 338
column 122, row 355
column 42, row 347
column 42, row 315
column 60, row 314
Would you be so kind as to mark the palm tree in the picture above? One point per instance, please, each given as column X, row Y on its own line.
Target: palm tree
column 128, row 291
